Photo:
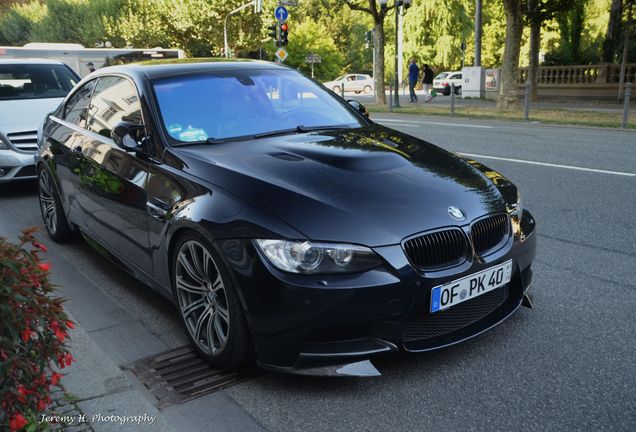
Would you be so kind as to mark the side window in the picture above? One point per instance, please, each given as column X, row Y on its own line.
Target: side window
column 76, row 110
column 115, row 99
column 458, row 76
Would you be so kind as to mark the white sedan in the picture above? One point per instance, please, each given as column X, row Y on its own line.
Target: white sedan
column 352, row 82
column 442, row 82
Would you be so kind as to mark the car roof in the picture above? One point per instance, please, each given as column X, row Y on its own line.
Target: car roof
column 171, row 67
column 27, row 61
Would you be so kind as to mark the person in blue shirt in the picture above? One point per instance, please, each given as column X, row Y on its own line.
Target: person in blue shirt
column 414, row 73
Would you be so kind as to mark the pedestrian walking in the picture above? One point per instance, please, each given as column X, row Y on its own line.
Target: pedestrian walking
column 414, row 73
column 427, row 80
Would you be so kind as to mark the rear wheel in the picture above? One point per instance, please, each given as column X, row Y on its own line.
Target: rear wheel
column 458, row 90
column 208, row 304
column 367, row 89
column 51, row 208
column 336, row 89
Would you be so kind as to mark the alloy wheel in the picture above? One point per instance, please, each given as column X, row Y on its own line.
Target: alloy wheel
column 202, row 297
column 48, row 204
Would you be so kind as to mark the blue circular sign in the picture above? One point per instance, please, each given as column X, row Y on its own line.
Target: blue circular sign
column 281, row 14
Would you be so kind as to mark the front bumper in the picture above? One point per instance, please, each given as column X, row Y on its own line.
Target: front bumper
column 300, row 321
column 16, row 165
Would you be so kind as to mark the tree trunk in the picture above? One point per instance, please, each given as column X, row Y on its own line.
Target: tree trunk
column 510, row 69
column 378, row 65
column 533, row 64
column 610, row 43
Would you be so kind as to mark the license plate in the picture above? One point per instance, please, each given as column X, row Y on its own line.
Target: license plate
column 469, row 287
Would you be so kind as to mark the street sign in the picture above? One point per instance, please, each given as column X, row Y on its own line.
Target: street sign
column 281, row 54
column 312, row 58
column 281, row 14
column 289, row 2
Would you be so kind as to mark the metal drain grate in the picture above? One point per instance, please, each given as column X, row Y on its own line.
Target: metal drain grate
column 179, row 375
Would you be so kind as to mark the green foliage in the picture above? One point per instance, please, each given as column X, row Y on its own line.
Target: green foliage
column 304, row 42
column 33, row 332
column 16, row 25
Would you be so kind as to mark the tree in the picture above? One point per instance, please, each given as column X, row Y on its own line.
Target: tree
column 612, row 37
column 17, row 24
column 510, row 68
column 378, row 15
column 537, row 12
column 304, row 41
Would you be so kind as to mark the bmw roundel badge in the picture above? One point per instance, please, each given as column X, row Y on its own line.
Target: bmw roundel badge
column 456, row 213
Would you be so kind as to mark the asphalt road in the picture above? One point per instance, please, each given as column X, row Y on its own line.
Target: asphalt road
column 568, row 364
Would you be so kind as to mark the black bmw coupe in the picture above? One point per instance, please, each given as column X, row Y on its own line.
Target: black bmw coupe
column 286, row 226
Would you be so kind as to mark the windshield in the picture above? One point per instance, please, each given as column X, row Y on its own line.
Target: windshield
column 35, row 81
column 240, row 103
column 442, row 75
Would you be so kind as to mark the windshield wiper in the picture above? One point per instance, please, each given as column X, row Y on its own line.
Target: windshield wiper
column 299, row 128
column 210, row 140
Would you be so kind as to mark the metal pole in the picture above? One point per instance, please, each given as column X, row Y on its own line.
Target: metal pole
column 452, row 106
column 628, row 95
column 397, row 82
column 312, row 69
column 526, row 102
column 226, row 49
column 477, row 32
column 390, row 97
column 342, row 89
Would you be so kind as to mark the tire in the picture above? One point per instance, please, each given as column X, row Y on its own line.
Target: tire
column 367, row 89
column 336, row 89
column 208, row 304
column 458, row 91
column 446, row 91
column 51, row 208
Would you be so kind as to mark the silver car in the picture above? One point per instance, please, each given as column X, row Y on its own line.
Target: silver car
column 352, row 82
column 29, row 89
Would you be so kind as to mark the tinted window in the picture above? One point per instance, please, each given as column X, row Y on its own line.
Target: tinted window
column 228, row 104
column 77, row 106
column 115, row 99
column 35, row 81
column 441, row 76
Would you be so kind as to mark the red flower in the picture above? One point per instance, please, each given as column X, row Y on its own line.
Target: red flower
column 68, row 359
column 42, row 405
column 40, row 246
column 61, row 336
column 55, row 378
column 26, row 335
column 44, row 266
column 55, row 325
column 70, row 324
column 22, row 390
column 17, row 422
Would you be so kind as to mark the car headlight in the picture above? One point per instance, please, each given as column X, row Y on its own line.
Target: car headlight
column 515, row 210
column 309, row 257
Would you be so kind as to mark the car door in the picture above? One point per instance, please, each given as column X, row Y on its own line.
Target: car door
column 110, row 184
column 64, row 133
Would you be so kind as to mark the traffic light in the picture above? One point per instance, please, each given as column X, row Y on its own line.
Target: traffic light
column 273, row 31
column 283, row 34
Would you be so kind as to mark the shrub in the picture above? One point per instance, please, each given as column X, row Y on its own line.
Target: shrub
column 33, row 332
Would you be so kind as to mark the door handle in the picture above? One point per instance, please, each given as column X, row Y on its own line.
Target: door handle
column 156, row 211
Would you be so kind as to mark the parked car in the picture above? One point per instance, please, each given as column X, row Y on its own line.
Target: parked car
column 29, row 89
column 285, row 224
column 352, row 83
column 442, row 82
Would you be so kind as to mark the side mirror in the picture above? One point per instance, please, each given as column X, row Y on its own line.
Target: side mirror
column 124, row 133
column 358, row 107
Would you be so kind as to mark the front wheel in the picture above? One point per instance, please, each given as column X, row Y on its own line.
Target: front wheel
column 208, row 304
column 51, row 208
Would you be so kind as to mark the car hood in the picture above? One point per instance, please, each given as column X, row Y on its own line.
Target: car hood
column 372, row 186
column 25, row 114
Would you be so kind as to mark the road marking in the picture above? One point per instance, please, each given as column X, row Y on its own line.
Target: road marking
column 572, row 167
column 411, row 123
